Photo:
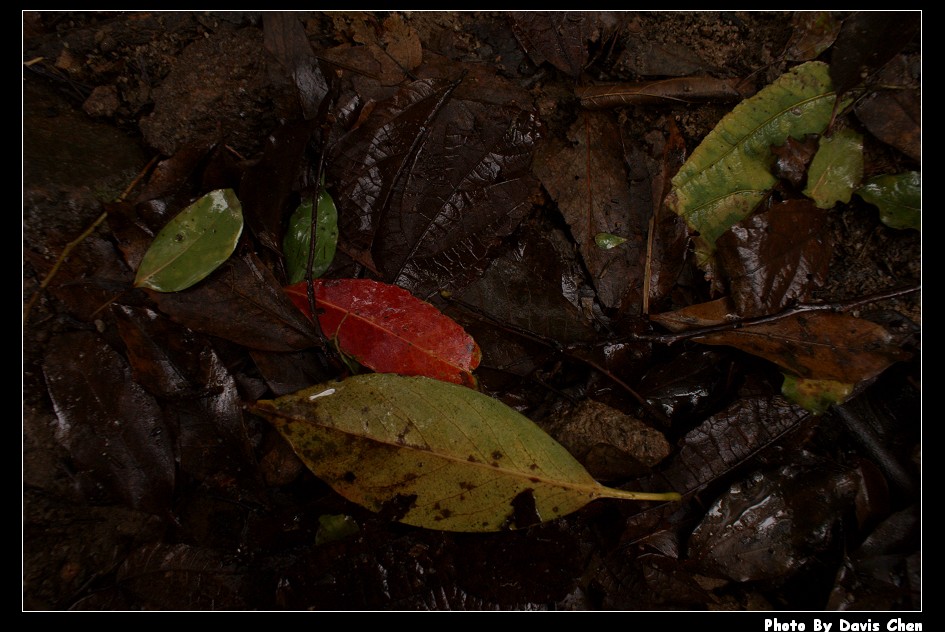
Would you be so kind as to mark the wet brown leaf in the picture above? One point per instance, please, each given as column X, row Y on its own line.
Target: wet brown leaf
column 792, row 159
column 893, row 113
column 284, row 37
column 774, row 258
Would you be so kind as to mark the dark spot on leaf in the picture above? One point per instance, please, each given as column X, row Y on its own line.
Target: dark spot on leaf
column 525, row 510
column 494, row 464
column 472, row 459
column 349, row 477
column 533, row 466
column 496, row 455
column 397, row 507
column 466, row 485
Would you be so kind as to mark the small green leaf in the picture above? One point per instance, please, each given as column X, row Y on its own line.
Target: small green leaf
column 606, row 241
column 332, row 527
column 729, row 172
column 442, row 455
column 298, row 238
column 193, row 244
column 898, row 197
column 815, row 395
column 836, row 170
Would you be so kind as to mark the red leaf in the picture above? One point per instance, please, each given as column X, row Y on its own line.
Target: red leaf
column 389, row 330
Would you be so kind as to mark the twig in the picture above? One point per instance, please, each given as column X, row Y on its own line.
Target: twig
column 800, row 308
column 78, row 240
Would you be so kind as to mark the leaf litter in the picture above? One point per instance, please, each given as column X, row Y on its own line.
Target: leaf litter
column 437, row 192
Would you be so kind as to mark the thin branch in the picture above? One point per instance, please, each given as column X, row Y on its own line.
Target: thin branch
column 800, row 308
column 72, row 245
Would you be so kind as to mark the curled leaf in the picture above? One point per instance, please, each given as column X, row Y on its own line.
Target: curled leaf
column 449, row 457
column 193, row 244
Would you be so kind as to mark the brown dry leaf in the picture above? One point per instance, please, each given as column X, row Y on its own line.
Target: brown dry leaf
column 588, row 181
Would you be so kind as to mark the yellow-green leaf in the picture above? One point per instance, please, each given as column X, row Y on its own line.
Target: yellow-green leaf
column 449, row 457
column 815, row 395
column 193, row 244
column 836, row 170
column 729, row 172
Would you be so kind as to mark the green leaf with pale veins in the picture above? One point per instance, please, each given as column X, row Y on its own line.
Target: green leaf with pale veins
column 898, row 197
column 193, row 244
column 729, row 172
column 298, row 238
column 836, row 170
column 448, row 457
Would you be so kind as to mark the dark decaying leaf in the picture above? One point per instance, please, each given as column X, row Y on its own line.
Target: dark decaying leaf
column 469, row 187
column 774, row 258
column 677, row 90
column 689, row 384
column 267, row 184
column 867, row 41
column 456, row 459
column 725, row 441
column 428, row 183
column 877, row 576
column 511, row 295
column 387, row 329
column 95, row 276
column 368, row 162
column 560, row 38
column 814, row 32
column 242, row 302
column 113, row 430
column 174, row 363
column 183, row 576
column 816, row 345
column 773, row 523
column 893, row 112
column 588, row 181
column 630, row 580
column 649, row 58
column 284, row 37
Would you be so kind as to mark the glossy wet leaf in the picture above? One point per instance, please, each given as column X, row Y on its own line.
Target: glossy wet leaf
column 893, row 112
column 298, row 238
column 771, row 524
column 898, row 197
column 429, row 183
column 729, row 172
column 776, row 257
column 836, row 170
column 387, row 329
column 450, row 457
column 193, row 244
